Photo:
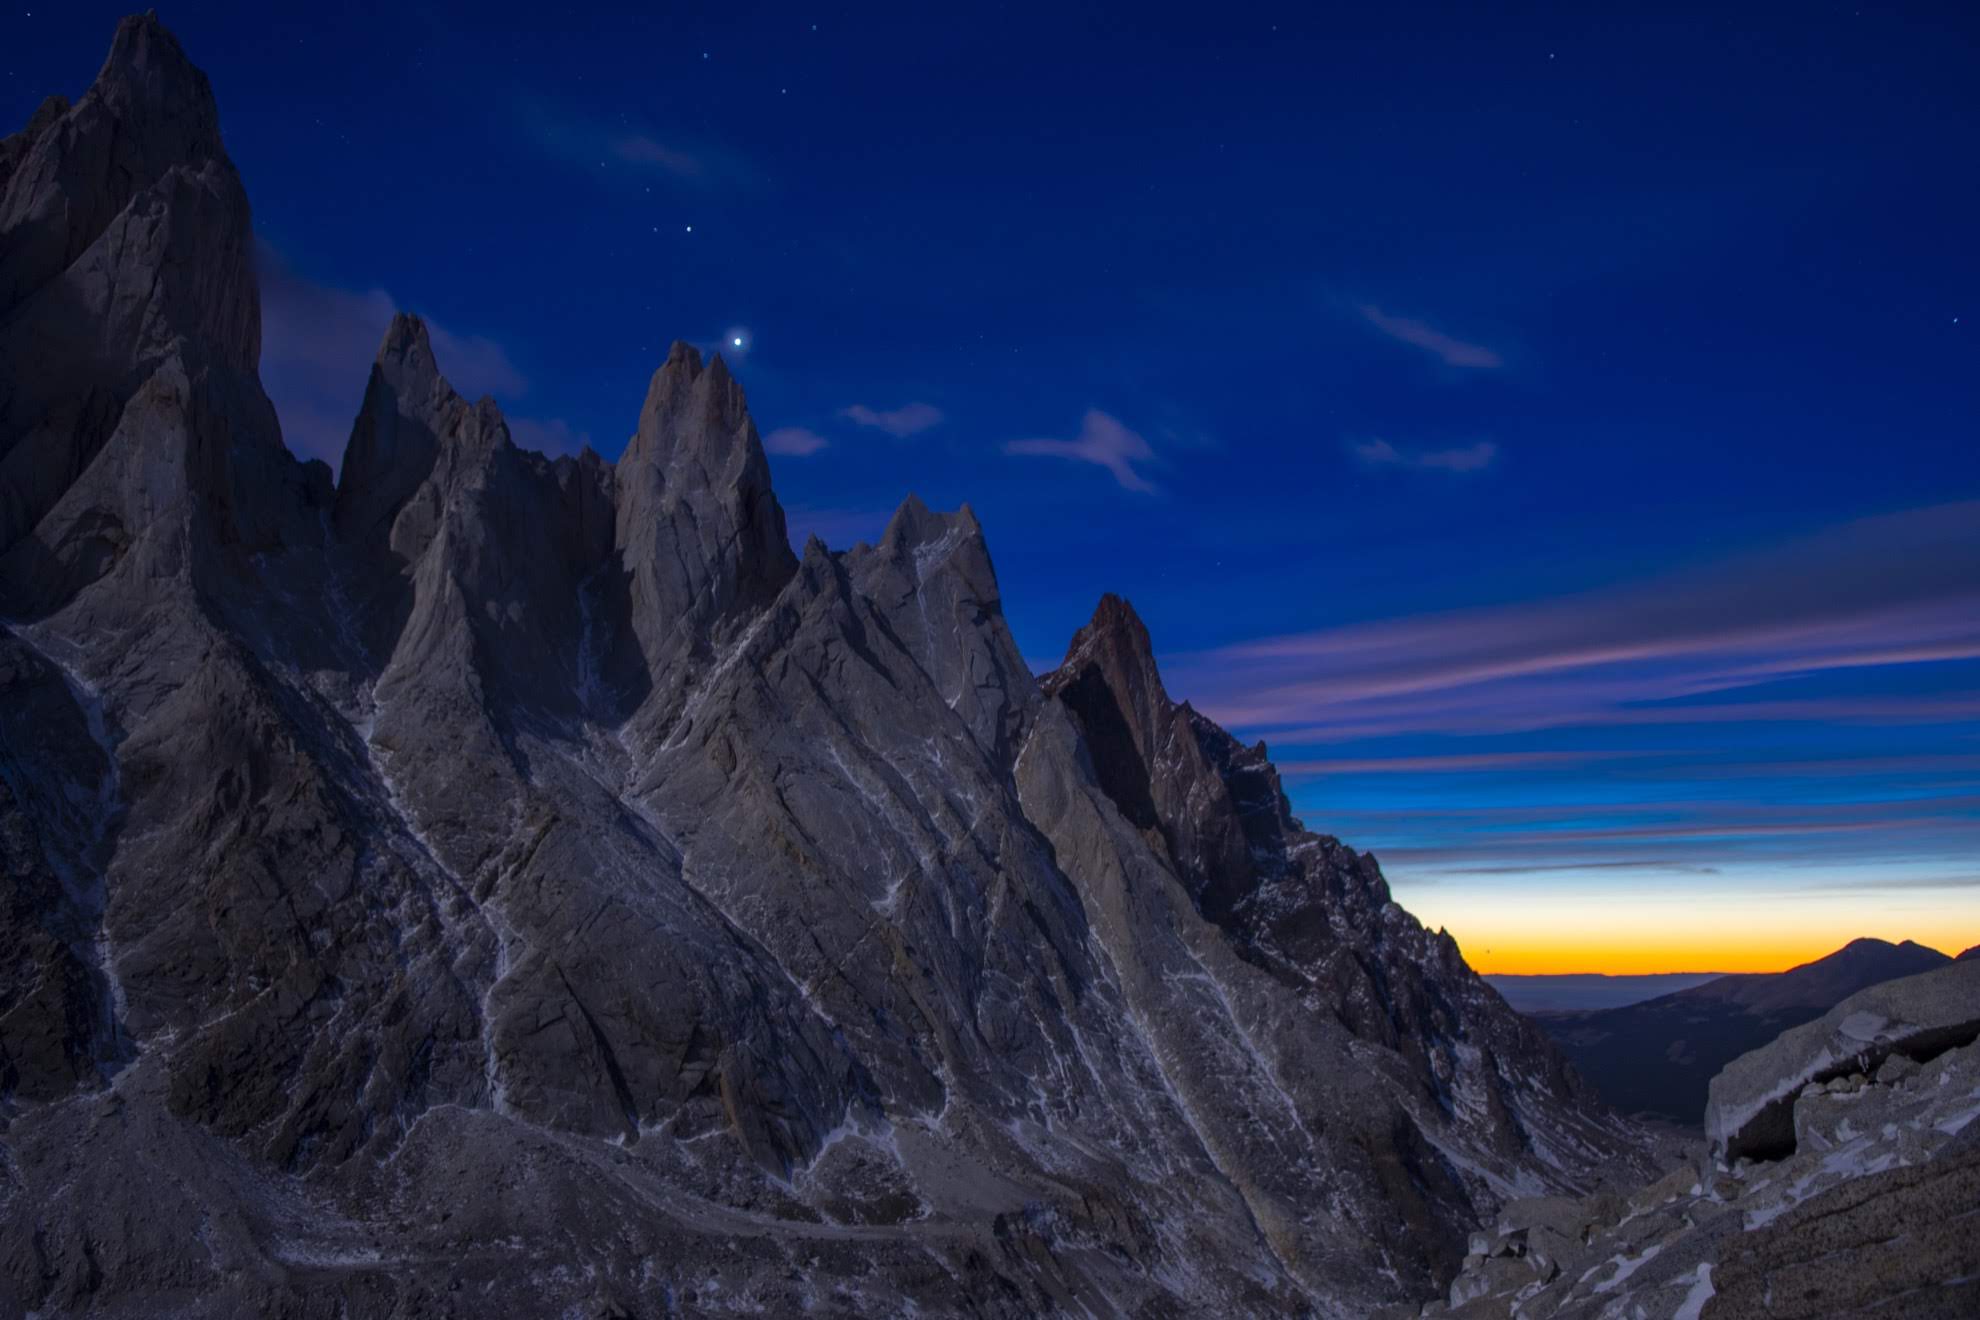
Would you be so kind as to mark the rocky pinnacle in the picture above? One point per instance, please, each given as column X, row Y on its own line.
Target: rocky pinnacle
column 498, row 884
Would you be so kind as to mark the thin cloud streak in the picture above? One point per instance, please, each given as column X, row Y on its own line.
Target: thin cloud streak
column 1453, row 351
column 794, row 441
column 1104, row 442
column 1459, row 717
column 597, row 147
column 907, row 420
column 1468, row 458
column 1897, row 590
column 639, row 149
column 1465, row 763
column 1543, row 868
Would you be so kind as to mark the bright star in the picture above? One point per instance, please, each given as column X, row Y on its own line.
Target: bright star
column 737, row 341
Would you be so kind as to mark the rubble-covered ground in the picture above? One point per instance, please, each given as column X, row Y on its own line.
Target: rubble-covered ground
column 1875, row 1212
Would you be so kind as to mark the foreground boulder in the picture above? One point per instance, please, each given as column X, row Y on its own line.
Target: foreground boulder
column 1750, row 1113
column 1870, row 1205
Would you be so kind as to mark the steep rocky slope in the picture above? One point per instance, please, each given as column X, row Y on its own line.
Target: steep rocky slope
column 1842, row 1179
column 498, row 885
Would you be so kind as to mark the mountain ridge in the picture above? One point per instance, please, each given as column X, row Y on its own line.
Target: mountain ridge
column 485, row 847
column 1658, row 1055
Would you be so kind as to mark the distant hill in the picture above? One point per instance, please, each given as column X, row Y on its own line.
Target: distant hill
column 1973, row 952
column 1657, row 1056
column 1589, row 991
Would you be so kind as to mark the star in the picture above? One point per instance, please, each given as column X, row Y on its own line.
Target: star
column 690, row 229
column 737, row 341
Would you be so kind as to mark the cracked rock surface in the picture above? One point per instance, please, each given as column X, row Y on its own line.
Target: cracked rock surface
column 1869, row 1205
column 492, row 884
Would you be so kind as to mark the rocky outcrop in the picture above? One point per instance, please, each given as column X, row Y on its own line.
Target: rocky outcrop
column 126, row 281
column 497, row 850
column 1867, row 1206
column 1751, row 1110
column 1657, row 1057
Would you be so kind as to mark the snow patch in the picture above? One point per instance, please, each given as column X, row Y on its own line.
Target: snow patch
column 1701, row 1292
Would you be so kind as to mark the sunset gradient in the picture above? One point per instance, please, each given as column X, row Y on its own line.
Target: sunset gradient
column 1737, row 767
column 1555, row 438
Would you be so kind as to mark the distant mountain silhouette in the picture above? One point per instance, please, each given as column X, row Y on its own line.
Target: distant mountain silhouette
column 1973, row 952
column 1588, row 992
column 1657, row 1057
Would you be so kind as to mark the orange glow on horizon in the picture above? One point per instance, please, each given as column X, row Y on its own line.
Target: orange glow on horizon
column 1622, row 935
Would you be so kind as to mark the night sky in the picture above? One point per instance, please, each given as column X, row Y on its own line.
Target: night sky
column 1556, row 429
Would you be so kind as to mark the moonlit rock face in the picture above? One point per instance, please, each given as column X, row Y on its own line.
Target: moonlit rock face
column 507, row 849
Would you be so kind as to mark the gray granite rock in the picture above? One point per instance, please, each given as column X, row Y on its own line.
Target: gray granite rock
column 1751, row 1110
column 1871, row 1213
column 503, row 885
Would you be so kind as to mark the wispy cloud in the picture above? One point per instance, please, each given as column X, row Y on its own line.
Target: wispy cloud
column 1102, row 441
column 1542, row 868
column 639, row 149
column 596, row 147
column 1453, row 351
column 1897, row 590
column 1782, row 838
column 795, row 441
column 902, row 422
column 1466, row 458
column 1465, row 763
column 317, row 345
column 1460, row 716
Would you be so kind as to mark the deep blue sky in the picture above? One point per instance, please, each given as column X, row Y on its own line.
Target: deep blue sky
column 1581, row 364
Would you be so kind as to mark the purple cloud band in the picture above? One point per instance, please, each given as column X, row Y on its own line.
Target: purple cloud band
column 1896, row 590
column 1454, row 352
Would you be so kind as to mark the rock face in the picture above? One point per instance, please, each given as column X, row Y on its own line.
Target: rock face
column 1658, row 1056
column 1867, row 1205
column 496, row 885
column 1751, row 1110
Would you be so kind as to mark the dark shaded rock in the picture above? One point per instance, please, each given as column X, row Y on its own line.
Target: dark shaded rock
column 1658, row 1057
column 1750, row 1113
column 504, row 885
column 1902, row 1242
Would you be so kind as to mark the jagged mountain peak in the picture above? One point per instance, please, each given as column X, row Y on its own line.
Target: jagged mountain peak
column 74, row 168
column 914, row 524
column 406, row 352
column 149, row 73
column 1116, row 638
column 129, row 302
column 699, row 528
column 696, row 413
column 547, row 826
column 410, row 416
